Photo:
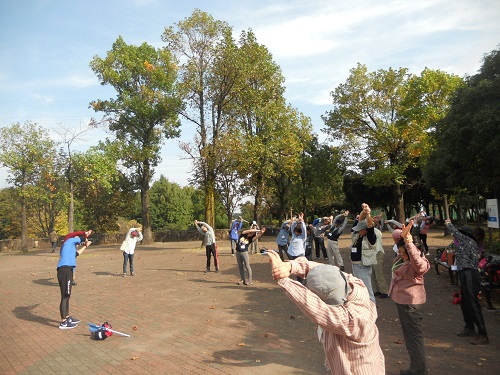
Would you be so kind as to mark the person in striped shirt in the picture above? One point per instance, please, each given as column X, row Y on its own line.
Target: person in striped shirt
column 339, row 304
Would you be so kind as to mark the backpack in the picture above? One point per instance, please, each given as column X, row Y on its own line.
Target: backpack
column 102, row 332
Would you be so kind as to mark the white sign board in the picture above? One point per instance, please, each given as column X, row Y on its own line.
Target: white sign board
column 492, row 210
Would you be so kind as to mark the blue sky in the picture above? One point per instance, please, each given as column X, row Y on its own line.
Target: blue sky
column 46, row 47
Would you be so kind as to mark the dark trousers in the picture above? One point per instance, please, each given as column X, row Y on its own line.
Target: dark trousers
column 319, row 243
column 65, row 278
column 211, row 250
column 282, row 250
column 423, row 238
column 411, row 325
column 309, row 251
column 470, row 286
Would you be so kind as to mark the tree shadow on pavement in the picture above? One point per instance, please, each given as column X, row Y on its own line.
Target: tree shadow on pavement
column 46, row 282
column 177, row 270
column 101, row 273
column 26, row 313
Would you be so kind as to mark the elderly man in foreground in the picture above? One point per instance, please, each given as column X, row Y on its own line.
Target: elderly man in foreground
column 339, row 304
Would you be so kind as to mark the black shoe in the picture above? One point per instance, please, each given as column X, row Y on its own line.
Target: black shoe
column 208, row 270
column 216, row 269
column 467, row 332
column 73, row 320
column 480, row 340
column 67, row 324
column 383, row 295
column 377, row 294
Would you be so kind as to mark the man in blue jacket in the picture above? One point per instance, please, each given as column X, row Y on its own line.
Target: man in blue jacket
column 282, row 239
column 234, row 234
column 67, row 262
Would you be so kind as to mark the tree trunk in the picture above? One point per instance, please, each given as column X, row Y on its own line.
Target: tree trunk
column 258, row 197
column 400, row 204
column 210, row 201
column 71, row 209
column 24, row 227
column 146, row 211
column 446, row 214
column 146, row 216
column 229, row 215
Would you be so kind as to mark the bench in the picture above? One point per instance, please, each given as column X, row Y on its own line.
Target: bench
column 453, row 274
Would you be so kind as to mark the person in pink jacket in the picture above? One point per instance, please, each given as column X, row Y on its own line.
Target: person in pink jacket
column 408, row 292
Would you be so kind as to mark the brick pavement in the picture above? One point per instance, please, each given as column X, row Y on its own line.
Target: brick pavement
column 183, row 321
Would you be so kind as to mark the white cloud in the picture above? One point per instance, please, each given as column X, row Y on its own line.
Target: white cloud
column 79, row 81
column 315, row 42
column 45, row 100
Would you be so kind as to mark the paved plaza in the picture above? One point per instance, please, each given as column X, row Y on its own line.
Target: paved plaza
column 185, row 321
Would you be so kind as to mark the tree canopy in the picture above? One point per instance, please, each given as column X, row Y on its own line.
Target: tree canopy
column 467, row 138
column 144, row 112
column 26, row 150
column 382, row 120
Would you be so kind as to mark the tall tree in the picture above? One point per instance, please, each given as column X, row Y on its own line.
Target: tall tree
column 467, row 138
column 69, row 137
column 25, row 150
column 383, row 118
column 144, row 111
column 229, row 184
column 48, row 196
column 207, row 74
column 104, row 192
column 319, row 186
column 271, row 134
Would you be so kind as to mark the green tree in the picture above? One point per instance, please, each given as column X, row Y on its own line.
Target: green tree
column 25, row 151
column 48, row 197
column 103, row 192
column 171, row 205
column 383, row 119
column 10, row 225
column 69, row 137
column 318, row 188
column 271, row 134
column 467, row 138
column 229, row 184
column 207, row 74
column 144, row 112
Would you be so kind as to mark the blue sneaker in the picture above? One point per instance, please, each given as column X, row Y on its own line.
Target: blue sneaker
column 74, row 320
column 67, row 324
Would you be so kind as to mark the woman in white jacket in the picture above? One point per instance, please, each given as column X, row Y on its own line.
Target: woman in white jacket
column 128, row 247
